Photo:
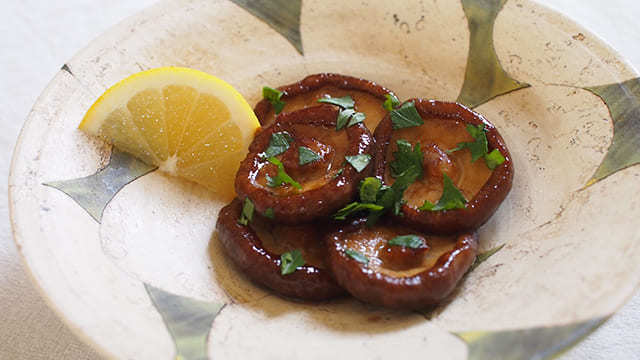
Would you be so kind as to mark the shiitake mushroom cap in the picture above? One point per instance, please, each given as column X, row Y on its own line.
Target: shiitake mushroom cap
column 244, row 247
column 483, row 204
column 319, row 202
column 421, row 288
column 265, row 112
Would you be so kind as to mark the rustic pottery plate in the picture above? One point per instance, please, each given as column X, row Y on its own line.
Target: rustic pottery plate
column 130, row 258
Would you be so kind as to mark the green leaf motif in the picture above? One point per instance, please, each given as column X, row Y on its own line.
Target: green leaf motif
column 188, row 321
column 623, row 100
column 93, row 193
column 282, row 15
column 484, row 78
column 534, row 343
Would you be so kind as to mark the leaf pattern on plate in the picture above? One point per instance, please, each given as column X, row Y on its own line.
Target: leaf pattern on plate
column 94, row 192
column 534, row 343
column 188, row 321
column 623, row 101
column 282, row 15
column 484, row 78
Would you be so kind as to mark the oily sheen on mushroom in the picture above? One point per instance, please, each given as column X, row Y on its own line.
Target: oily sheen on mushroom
column 367, row 95
column 446, row 127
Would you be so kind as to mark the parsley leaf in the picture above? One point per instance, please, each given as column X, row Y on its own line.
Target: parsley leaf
column 406, row 116
column 479, row 145
column 278, row 144
column 369, row 188
column 306, row 155
column 246, row 215
column 357, row 256
column 359, row 162
column 282, row 178
column 355, row 207
column 268, row 213
column 451, row 198
column 345, row 102
column 410, row 241
column 405, row 158
column 493, row 159
column 391, row 102
column 349, row 117
column 275, row 98
column 290, row 261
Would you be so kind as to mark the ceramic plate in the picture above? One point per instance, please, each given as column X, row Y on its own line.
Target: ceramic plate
column 130, row 258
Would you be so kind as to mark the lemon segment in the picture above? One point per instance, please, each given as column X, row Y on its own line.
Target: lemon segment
column 186, row 122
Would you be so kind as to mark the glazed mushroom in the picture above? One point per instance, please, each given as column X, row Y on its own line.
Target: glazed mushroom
column 367, row 95
column 256, row 248
column 444, row 129
column 365, row 263
column 301, row 168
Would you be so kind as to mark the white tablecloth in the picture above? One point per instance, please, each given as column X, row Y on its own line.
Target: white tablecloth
column 38, row 36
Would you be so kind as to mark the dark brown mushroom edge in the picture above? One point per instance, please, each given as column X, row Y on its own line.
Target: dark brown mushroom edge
column 256, row 248
column 483, row 183
column 301, row 168
column 421, row 273
column 368, row 97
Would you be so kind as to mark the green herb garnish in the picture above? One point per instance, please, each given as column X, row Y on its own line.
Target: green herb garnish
column 278, row 144
column 282, row 178
column 478, row 146
column 268, row 213
column 355, row 207
column 275, row 98
column 405, row 158
column 493, row 159
column 345, row 102
column 391, row 102
column 406, row 116
column 306, row 155
column 369, row 188
column 246, row 215
column 359, row 162
column 410, row 241
column 357, row 256
column 290, row 261
column 349, row 117
column 451, row 198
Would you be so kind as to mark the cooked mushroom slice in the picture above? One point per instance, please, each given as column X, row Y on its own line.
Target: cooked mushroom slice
column 301, row 168
column 420, row 273
column 367, row 95
column 445, row 129
column 256, row 249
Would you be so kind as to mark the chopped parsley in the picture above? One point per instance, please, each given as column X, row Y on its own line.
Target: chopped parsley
column 347, row 116
column 275, row 98
column 246, row 215
column 282, row 178
column 278, row 144
column 359, row 162
column 376, row 198
column 410, row 241
column 268, row 213
column 290, row 261
column 479, row 147
column 405, row 158
column 450, row 199
column 391, row 102
column 406, row 116
column 306, row 156
column 345, row 102
column 355, row 207
column 357, row 256
column 493, row 159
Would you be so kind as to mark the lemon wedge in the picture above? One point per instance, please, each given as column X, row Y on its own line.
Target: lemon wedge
column 186, row 122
